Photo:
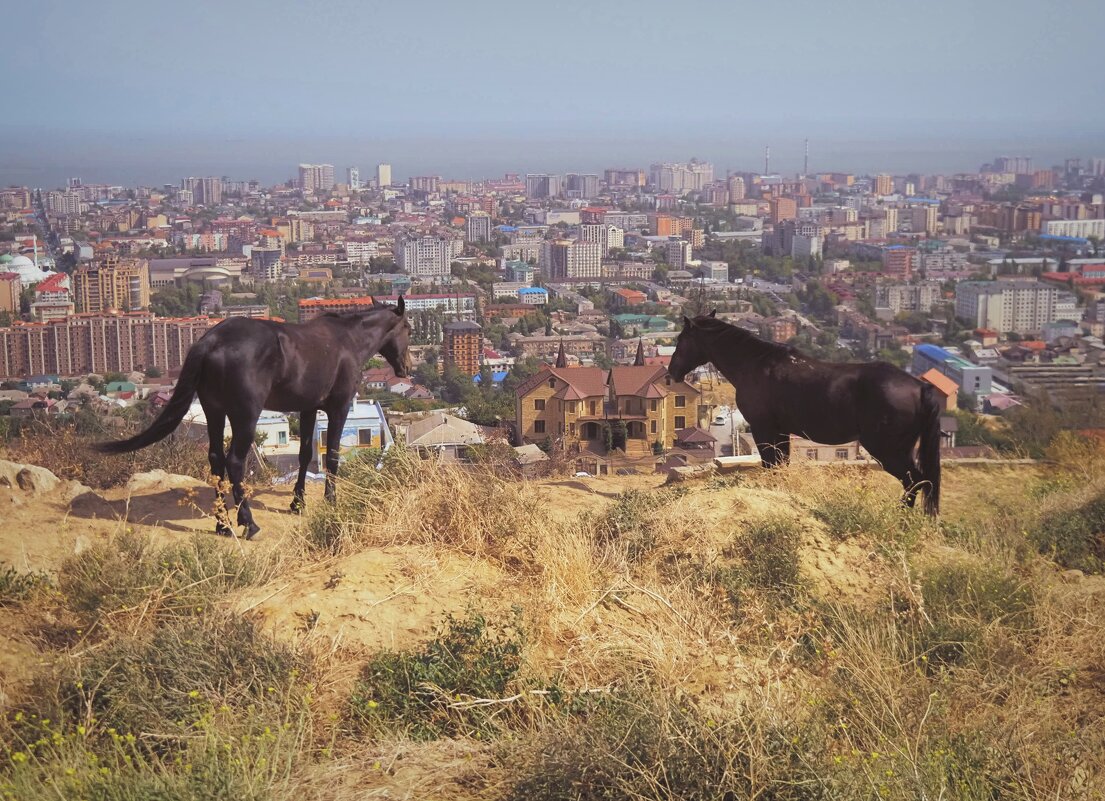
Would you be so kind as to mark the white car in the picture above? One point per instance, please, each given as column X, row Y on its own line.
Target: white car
column 582, row 474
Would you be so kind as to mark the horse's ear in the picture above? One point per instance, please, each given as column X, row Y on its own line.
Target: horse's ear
column 687, row 322
column 713, row 312
column 401, row 306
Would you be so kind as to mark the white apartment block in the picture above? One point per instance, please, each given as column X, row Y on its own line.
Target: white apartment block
column 898, row 298
column 564, row 258
column 607, row 236
column 1020, row 307
column 357, row 252
column 478, row 227
column 383, row 176
column 681, row 178
column 1079, row 228
column 427, row 256
column 678, row 252
column 316, row 177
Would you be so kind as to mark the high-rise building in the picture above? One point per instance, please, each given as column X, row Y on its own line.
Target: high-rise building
column 425, row 183
column 884, row 184
column 681, row 178
column 208, row 192
column 426, row 256
column 736, row 188
column 578, row 185
column 566, row 258
column 607, row 236
column 11, row 287
column 1021, row 165
column 1020, row 307
column 634, row 179
column 316, row 177
column 541, row 185
column 478, row 227
column 112, row 284
column 98, row 343
column 678, row 252
column 353, row 178
column 461, row 346
column 783, row 208
column 383, row 176
column 266, row 264
column 897, row 260
column 68, row 202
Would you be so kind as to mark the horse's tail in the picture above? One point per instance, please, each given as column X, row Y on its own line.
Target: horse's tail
column 930, row 448
column 174, row 410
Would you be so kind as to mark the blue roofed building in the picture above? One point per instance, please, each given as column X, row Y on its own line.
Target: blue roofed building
column 533, row 295
column 972, row 378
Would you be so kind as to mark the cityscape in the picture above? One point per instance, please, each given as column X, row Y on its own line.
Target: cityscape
column 987, row 284
column 588, row 401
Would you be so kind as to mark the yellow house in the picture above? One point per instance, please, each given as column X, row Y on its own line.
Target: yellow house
column 574, row 407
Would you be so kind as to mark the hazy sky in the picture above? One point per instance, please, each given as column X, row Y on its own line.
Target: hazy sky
column 120, row 90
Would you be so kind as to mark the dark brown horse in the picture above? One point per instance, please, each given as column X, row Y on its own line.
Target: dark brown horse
column 780, row 392
column 242, row 366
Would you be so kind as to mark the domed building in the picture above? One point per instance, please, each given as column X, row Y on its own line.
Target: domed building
column 26, row 270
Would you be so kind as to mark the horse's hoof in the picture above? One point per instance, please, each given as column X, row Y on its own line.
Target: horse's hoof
column 223, row 530
column 251, row 531
column 298, row 506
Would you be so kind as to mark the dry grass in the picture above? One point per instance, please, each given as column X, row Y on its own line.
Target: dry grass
column 685, row 643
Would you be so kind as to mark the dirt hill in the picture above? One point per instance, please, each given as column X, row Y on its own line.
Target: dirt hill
column 443, row 633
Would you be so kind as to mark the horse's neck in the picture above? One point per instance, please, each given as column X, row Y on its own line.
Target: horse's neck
column 736, row 357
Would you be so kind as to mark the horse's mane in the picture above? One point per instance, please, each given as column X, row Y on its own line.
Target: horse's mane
column 349, row 314
column 749, row 344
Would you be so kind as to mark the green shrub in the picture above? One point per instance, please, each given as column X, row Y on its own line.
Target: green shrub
column 848, row 509
column 638, row 748
column 158, row 686
column 629, row 522
column 412, row 692
column 960, row 600
column 767, row 560
column 182, row 578
column 16, row 587
column 1074, row 536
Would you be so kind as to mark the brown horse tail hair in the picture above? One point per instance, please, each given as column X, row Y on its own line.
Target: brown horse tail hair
column 174, row 410
column 930, row 449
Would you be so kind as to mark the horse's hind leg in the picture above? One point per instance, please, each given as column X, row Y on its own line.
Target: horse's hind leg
column 240, row 443
column 216, row 457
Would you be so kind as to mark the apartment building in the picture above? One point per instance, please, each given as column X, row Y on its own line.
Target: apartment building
column 111, row 283
column 427, row 256
column 461, row 346
column 1020, row 307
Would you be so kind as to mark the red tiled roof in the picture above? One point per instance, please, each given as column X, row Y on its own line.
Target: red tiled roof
column 638, row 381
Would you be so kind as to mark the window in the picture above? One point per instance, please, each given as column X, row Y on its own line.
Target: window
column 592, row 408
column 680, row 422
column 364, row 436
column 652, row 405
column 680, row 401
column 539, row 404
column 538, row 426
column 841, row 453
column 571, row 407
column 552, row 383
column 652, row 426
column 811, row 454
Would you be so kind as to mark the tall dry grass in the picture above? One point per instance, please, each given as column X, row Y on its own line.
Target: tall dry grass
column 681, row 643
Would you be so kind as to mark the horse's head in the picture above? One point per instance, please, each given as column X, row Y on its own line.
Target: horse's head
column 690, row 350
column 396, row 344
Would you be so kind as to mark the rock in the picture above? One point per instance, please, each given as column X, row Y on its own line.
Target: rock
column 677, row 474
column 160, row 480
column 28, row 477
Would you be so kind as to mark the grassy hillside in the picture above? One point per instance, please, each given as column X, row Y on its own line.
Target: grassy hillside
column 449, row 634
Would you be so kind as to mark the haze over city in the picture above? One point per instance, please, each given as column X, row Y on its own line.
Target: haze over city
column 126, row 92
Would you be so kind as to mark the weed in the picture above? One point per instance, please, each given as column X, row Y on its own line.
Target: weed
column 437, row 692
column 1074, row 535
column 631, row 522
column 16, row 587
column 641, row 747
column 767, row 561
column 180, row 579
column 961, row 599
column 157, row 686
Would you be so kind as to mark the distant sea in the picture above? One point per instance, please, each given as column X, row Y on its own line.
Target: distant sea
column 46, row 159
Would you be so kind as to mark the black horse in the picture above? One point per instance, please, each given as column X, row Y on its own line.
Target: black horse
column 781, row 391
column 242, row 366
